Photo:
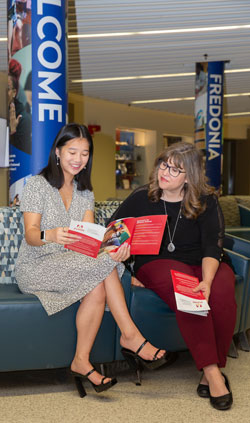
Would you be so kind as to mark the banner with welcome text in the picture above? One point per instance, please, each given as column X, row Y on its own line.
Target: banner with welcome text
column 49, row 95
column 209, row 117
column 36, row 85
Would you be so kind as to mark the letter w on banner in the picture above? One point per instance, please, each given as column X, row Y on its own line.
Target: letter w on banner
column 209, row 116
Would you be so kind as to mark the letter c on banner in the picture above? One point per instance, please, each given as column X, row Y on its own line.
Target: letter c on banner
column 48, row 20
column 43, row 61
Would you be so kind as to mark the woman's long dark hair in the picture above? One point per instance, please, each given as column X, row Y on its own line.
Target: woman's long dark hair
column 53, row 173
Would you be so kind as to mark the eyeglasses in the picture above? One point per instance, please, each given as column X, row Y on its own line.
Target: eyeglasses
column 173, row 171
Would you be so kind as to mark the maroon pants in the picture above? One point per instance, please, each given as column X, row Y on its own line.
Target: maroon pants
column 207, row 338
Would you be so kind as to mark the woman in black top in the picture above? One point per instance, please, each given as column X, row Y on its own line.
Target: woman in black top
column 192, row 244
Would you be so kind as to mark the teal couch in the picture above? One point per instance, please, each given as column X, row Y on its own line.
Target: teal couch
column 30, row 339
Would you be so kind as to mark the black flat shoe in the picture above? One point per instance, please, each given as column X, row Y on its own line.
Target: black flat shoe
column 98, row 388
column 137, row 363
column 223, row 402
column 203, row 390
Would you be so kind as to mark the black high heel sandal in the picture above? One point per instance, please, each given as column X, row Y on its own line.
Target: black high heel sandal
column 223, row 402
column 98, row 388
column 137, row 363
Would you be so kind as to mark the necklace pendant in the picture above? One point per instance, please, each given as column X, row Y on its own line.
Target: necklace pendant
column 171, row 247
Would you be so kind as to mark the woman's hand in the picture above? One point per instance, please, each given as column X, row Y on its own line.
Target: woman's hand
column 135, row 282
column 122, row 254
column 205, row 288
column 61, row 236
column 14, row 121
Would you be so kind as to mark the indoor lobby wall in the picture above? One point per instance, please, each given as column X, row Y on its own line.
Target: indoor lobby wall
column 112, row 115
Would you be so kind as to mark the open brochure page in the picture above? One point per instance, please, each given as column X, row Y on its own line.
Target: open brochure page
column 144, row 234
column 148, row 233
column 187, row 300
column 91, row 237
column 117, row 232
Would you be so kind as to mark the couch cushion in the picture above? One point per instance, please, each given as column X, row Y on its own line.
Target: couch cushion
column 11, row 235
column 104, row 210
column 39, row 341
column 244, row 200
column 230, row 210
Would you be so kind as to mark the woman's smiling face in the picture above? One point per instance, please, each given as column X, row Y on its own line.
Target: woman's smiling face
column 74, row 156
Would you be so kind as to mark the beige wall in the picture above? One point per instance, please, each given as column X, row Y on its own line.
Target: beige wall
column 78, row 108
column 103, row 174
column 112, row 115
column 4, row 174
column 236, row 127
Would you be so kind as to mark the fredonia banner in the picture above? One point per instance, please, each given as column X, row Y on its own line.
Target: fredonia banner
column 209, row 116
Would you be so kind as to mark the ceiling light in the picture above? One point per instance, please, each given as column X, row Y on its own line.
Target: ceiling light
column 237, row 114
column 164, row 75
column 164, row 100
column 126, row 78
column 237, row 95
column 3, row 39
column 237, row 70
column 160, row 32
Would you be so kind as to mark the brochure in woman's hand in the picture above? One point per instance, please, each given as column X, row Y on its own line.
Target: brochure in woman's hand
column 187, row 300
column 143, row 234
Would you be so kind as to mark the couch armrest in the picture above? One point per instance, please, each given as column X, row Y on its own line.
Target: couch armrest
column 238, row 240
column 241, row 266
column 240, row 263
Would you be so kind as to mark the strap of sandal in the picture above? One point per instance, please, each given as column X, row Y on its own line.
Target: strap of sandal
column 155, row 356
column 103, row 379
column 141, row 346
column 90, row 372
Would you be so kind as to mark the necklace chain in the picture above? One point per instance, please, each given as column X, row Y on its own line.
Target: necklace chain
column 171, row 246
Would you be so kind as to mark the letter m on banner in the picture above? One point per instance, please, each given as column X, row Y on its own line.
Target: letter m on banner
column 209, row 117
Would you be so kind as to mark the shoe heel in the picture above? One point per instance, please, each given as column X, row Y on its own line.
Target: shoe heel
column 79, row 386
column 134, row 365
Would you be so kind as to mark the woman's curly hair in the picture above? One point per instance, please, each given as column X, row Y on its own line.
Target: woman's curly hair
column 185, row 156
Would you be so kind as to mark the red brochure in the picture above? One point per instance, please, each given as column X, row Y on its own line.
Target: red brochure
column 187, row 300
column 144, row 235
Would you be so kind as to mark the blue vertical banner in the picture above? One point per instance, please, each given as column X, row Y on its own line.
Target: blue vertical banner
column 209, row 117
column 49, row 98
column 214, row 125
column 36, row 85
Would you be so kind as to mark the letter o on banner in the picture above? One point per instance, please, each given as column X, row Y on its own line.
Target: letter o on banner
column 215, row 124
column 43, row 61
